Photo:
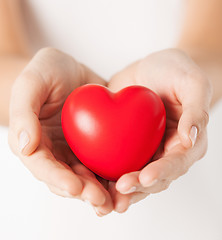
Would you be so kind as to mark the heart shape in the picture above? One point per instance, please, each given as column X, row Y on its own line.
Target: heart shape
column 113, row 133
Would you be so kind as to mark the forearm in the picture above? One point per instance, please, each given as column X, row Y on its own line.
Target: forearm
column 201, row 38
column 10, row 67
column 212, row 66
column 202, row 26
column 14, row 38
column 15, row 50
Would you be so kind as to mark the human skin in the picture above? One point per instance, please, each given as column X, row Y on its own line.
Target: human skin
column 186, row 93
column 42, row 144
column 68, row 179
column 200, row 39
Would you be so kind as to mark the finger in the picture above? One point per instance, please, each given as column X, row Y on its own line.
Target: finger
column 159, row 186
column 137, row 197
column 170, row 167
column 46, row 168
column 195, row 96
column 175, row 163
column 28, row 94
column 128, row 183
column 59, row 192
column 93, row 192
column 107, row 207
column 81, row 169
column 120, row 202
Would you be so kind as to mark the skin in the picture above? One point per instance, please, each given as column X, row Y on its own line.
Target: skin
column 38, row 86
column 177, row 152
column 37, row 114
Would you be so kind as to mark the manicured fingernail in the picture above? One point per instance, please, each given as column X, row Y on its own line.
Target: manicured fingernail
column 132, row 189
column 150, row 183
column 193, row 135
column 23, row 140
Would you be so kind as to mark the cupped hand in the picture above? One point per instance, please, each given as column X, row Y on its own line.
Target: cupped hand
column 186, row 94
column 35, row 132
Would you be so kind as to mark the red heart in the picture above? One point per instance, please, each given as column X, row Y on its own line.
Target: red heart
column 113, row 133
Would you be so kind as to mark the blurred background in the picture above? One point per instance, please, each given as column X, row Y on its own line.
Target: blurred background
column 106, row 36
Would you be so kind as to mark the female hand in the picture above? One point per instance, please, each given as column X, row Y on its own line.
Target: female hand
column 186, row 94
column 35, row 133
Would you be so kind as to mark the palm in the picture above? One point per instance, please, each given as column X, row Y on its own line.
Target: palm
column 171, row 136
column 38, row 95
column 54, row 144
column 169, row 74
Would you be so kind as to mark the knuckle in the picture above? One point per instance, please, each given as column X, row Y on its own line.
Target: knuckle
column 204, row 117
column 47, row 50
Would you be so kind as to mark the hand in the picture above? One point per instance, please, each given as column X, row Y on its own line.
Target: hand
column 186, row 94
column 35, row 132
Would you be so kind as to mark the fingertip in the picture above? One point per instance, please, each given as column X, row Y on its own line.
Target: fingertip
column 126, row 183
column 73, row 186
column 93, row 192
column 147, row 180
column 149, row 175
column 32, row 137
column 24, row 133
column 188, row 136
column 121, row 185
column 122, row 203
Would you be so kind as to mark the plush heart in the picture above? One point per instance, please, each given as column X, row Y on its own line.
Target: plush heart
column 113, row 133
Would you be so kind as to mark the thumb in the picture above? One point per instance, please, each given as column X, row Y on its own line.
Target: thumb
column 25, row 103
column 195, row 99
column 192, row 121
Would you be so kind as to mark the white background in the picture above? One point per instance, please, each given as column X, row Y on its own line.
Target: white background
column 107, row 35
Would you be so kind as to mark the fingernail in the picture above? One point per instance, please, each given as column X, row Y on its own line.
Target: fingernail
column 98, row 212
column 132, row 189
column 23, row 140
column 193, row 135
